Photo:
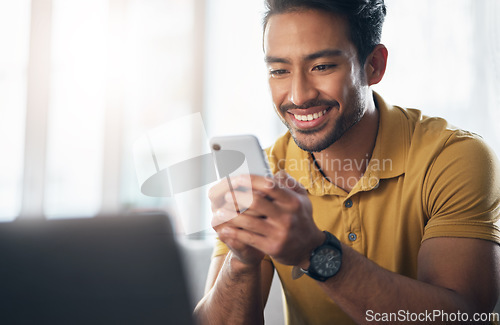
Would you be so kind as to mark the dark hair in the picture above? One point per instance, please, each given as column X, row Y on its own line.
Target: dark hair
column 365, row 18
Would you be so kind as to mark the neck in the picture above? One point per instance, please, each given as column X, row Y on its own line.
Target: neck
column 345, row 161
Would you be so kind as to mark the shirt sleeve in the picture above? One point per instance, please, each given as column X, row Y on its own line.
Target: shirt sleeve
column 462, row 190
column 219, row 248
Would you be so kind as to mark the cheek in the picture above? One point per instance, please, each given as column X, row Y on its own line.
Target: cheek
column 278, row 91
column 335, row 87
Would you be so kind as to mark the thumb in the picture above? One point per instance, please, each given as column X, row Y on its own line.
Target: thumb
column 287, row 181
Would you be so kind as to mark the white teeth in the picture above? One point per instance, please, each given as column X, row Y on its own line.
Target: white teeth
column 309, row 117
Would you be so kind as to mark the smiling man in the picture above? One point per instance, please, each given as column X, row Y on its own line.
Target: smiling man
column 390, row 215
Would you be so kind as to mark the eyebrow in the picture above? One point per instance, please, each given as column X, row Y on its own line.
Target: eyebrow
column 313, row 56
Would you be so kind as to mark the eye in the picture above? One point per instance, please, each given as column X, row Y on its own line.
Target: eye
column 278, row 72
column 323, row 67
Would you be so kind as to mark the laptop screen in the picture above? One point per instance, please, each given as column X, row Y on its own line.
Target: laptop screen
column 102, row 270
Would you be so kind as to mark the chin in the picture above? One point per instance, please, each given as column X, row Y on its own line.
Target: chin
column 311, row 143
column 314, row 147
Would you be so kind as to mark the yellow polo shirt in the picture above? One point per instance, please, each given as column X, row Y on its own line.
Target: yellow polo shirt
column 425, row 179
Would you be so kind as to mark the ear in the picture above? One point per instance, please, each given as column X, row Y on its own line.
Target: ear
column 375, row 64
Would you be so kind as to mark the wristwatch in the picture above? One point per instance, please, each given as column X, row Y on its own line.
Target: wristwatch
column 325, row 260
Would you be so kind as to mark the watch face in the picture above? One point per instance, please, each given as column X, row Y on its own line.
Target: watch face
column 326, row 261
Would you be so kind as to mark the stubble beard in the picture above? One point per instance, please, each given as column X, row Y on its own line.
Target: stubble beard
column 342, row 125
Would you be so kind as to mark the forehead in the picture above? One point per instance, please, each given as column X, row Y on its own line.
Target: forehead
column 306, row 31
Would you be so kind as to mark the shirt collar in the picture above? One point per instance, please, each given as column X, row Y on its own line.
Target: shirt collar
column 393, row 141
column 388, row 158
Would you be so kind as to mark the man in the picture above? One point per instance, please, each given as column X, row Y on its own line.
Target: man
column 389, row 213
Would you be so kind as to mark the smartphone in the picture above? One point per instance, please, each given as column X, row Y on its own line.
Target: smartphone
column 239, row 154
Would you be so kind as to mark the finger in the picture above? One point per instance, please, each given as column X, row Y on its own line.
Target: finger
column 285, row 180
column 247, row 211
column 251, row 221
column 257, row 225
column 226, row 231
column 253, row 203
column 246, row 237
column 231, row 202
column 217, row 192
column 224, row 205
column 282, row 191
column 221, row 216
column 232, row 198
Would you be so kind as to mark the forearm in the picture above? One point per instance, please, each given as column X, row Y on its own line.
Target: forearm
column 236, row 296
column 362, row 286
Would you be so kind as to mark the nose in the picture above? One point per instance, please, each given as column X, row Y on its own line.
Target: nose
column 302, row 90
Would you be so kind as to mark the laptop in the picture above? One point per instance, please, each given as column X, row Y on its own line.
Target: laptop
column 101, row 270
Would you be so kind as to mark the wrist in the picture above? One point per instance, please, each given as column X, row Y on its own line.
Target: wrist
column 304, row 264
column 239, row 267
column 319, row 239
column 325, row 260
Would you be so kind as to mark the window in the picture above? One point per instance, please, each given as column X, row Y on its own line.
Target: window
column 444, row 59
column 77, row 107
column 14, row 41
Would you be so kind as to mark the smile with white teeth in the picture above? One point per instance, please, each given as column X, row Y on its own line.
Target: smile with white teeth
column 309, row 117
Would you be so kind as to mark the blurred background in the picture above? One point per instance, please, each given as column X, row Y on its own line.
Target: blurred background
column 81, row 80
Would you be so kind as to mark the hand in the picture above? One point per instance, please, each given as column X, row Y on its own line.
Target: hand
column 224, row 211
column 277, row 220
